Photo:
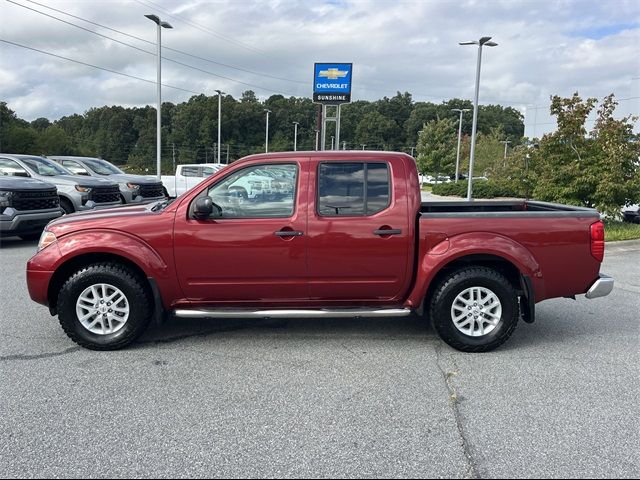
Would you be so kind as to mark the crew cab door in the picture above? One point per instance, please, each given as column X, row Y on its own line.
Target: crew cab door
column 254, row 248
column 360, row 235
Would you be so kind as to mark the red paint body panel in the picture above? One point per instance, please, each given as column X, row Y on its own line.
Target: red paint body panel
column 338, row 261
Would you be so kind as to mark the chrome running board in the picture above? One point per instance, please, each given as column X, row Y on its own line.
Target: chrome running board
column 295, row 313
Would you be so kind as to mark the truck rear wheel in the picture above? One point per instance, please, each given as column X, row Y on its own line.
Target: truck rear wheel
column 474, row 309
column 104, row 306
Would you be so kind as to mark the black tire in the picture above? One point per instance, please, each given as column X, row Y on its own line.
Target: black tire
column 67, row 206
column 121, row 277
column 457, row 282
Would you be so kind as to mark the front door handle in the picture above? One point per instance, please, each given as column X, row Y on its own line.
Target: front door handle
column 288, row 233
column 390, row 231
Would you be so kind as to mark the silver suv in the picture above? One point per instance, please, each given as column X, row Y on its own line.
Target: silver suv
column 137, row 189
column 76, row 193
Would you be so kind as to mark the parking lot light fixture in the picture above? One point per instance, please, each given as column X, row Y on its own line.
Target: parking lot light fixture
column 484, row 41
column 160, row 25
column 266, row 135
column 295, row 136
column 220, row 93
column 461, row 110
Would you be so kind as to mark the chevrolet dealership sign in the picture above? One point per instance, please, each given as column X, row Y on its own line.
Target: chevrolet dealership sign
column 332, row 83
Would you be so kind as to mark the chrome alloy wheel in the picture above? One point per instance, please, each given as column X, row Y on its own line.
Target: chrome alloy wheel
column 102, row 309
column 476, row 311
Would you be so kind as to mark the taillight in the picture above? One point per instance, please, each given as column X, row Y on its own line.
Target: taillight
column 597, row 240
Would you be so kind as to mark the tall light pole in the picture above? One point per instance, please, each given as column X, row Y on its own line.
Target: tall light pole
column 266, row 135
column 332, row 142
column 506, row 142
column 482, row 42
column 219, row 121
column 317, row 138
column 161, row 25
column 461, row 110
column 295, row 136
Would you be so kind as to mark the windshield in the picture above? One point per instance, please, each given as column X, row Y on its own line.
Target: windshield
column 45, row 167
column 102, row 167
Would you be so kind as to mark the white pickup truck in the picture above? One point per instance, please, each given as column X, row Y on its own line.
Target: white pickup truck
column 188, row 176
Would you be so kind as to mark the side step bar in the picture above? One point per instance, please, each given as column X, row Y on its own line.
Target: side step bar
column 294, row 313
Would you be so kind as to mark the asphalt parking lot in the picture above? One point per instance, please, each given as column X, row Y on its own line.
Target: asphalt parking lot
column 345, row 398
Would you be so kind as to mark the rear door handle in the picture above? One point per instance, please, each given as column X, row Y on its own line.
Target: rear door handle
column 288, row 233
column 390, row 231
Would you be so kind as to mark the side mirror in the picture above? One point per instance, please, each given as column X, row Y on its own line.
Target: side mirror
column 205, row 208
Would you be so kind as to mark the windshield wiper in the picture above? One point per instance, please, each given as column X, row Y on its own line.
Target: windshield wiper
column 162, row 205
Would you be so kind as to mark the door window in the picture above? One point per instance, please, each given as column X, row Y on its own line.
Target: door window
column 353, row 189
column 12, row 169
column 74, row 167
column 262, row 191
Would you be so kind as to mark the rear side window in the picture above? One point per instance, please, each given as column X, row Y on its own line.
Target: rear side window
column 353, row 189
column 12, row 169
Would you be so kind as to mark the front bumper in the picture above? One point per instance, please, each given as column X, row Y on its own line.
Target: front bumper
column 16, row 223
column 601, row 287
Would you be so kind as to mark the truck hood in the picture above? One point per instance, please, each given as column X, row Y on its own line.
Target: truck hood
column 13, row 184
column 130, row 178
column 112, row 218
column 85, row 181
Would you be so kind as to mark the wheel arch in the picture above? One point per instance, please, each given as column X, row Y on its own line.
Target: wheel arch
column 495, row 262
column 71, row 265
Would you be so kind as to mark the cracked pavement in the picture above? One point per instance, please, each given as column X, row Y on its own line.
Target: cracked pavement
column 328, row 398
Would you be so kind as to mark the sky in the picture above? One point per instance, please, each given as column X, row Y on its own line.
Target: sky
column 545, row 47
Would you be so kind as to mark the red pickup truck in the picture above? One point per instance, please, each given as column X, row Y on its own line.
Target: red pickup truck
column 334, row 234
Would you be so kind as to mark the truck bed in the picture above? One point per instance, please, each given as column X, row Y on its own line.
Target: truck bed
column 499, row 208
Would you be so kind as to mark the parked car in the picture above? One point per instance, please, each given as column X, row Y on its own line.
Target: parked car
column 631, row 214
column 188, row 176
column 133, row 188
column 353, row 240
column 26, row 206
column 77, row 193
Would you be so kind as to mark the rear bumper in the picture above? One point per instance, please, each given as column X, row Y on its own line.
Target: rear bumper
column 601, row 287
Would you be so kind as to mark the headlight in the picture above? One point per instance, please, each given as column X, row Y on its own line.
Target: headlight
column 5, row 199
column 46, row 239
column 133, row 186
column 83, row 189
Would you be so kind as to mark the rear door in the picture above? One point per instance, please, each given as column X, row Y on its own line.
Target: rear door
column 360, row 243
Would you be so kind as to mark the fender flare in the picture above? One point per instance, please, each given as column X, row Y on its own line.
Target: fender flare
column 105, row 241
column 450, row 249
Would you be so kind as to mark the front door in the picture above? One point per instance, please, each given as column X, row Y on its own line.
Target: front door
column 253, row 248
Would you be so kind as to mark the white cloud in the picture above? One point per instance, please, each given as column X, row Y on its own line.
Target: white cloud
column 545, row 48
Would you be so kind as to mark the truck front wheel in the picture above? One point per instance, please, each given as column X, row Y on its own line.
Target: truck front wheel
column 104, row 306
column 474, row 309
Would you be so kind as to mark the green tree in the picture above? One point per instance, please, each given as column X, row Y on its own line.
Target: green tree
column 599, row 170
column 437, row 147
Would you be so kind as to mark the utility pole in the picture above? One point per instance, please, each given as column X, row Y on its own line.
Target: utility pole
column 266, row 135
column 219, row 121
column 332, row 142
column 295, row 136
column 461, row 110
column 160, row 25
column 344, row 145
column 317, row 138
column 483, row 41
column 506, row 142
